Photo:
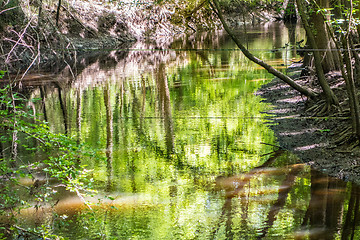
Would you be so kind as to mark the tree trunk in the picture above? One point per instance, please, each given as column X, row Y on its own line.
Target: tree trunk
column 304, row 90
column 329, row 61
column 348, row 75
column 58, row 13
column 39, row 14
column 351, row 89
column 330, row 97
column 165, row 108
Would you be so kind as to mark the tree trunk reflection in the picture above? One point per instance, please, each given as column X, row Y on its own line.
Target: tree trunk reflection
column 109, row 137
column 63, row 108
column 78, row 113
column 324, row 212
column 43, row 100
column 165, row 107
column 352, row 215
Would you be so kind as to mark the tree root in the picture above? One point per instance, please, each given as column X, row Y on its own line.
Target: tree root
column 315, row 107
column 346, row 136
column 323, row 108
column 355, row 144
column 343, row 114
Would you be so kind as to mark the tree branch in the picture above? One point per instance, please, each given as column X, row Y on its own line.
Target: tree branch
column 304, row 90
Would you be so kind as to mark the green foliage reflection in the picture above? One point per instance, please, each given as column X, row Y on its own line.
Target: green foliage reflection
column 35, row 164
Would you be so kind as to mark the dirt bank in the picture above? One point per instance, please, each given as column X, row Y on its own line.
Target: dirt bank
column 38, row 41
column 312, row 138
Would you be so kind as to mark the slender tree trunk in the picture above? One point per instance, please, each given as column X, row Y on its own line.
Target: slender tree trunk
column 165, row 108
column 39, row 14
column 350, row 211
column 63, row 109
column 331, row 99
column 78, row 113
column 304, row 90
column 345, row 61
column 43, row 100
column 329, row 60
column 349, row 77
column 351, row 89
column 58, row 13
column 335, row 202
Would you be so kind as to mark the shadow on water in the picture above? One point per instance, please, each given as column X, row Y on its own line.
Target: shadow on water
column 278, row 199
column 331, row 213
column 183, row 141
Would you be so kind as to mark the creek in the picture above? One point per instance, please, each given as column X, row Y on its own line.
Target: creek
column 188, row 153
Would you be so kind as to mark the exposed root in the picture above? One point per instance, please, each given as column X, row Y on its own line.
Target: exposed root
column 345, row 114
column 315, row 107
column 323, row 108
column 355, row 144
column 346, row 136
column 326, row 109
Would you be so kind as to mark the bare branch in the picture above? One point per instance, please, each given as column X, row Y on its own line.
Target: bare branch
column 8, row 9
column 18, row 41
column 302, row 89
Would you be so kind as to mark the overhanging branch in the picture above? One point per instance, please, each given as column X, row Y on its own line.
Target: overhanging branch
column 304, row 90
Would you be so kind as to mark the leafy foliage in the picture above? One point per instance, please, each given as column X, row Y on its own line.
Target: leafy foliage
column 57, row 158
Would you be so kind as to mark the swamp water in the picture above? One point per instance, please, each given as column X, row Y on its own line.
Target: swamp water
column 189, row 154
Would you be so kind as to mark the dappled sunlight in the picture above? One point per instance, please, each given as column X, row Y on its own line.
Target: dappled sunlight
column 187, row 152
column 305, row 131
column 308, row 147
column 292, row 100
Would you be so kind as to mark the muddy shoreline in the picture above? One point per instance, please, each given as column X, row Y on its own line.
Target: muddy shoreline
column 311, row 138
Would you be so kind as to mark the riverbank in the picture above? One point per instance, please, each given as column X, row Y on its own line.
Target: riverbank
column 312, row 139
column 39, row 41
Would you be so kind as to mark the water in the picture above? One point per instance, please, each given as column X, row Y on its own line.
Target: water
column 189, row 154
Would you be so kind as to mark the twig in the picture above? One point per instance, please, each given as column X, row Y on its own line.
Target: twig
column 32, row 63
column 83, row 199
column 27, row 231
column 20, row 38
column 22, row 44
column 271, row 145
column 8, row 9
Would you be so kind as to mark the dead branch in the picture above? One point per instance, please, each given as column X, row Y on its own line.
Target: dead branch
column 32, row 63
column 8, row 9
column 18, row 41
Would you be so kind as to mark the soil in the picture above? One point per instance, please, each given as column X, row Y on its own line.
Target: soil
column 311, row 138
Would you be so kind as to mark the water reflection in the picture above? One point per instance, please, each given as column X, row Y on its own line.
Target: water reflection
column 183, row 137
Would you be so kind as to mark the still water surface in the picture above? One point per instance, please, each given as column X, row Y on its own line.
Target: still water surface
column 188, row 149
